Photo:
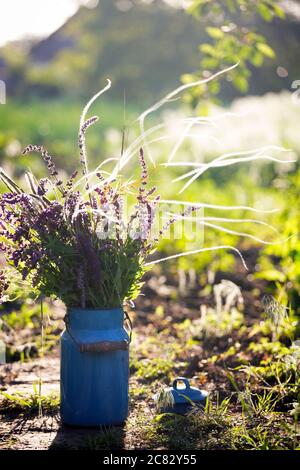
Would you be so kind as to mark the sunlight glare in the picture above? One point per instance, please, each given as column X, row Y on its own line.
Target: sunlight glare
column 33, row 18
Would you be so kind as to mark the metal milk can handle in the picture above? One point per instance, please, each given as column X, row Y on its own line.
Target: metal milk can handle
column 181, row 379
column 101, row 346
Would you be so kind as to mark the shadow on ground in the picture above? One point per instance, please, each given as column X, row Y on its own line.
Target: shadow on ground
column 103, row 438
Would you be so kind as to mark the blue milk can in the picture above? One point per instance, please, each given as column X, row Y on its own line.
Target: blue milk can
column 94, row 368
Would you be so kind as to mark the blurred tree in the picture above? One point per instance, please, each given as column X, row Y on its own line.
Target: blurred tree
column 233, row 39
column 145, row 46
column 142, row 47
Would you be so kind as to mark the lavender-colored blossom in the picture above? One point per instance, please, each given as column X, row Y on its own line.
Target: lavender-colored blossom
column 81, row 142
column 55, row 243
column 172, row 220
column 144, row 175
column 42, row 186
column 48, row 160
column 3, row 285
column 70, row 182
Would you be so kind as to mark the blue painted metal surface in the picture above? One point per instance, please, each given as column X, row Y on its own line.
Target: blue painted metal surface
column 94, row 385
column 183, row 398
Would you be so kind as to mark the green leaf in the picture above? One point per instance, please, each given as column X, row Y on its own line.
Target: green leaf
column 231, row 6
column 241, row 83
column 215, row 33
column 265, row 12
column 273, row 275
column 214, row 87
column 278, row 11
column 208, row 49
column 266, row 50
column 257, row 59
column 196, row 7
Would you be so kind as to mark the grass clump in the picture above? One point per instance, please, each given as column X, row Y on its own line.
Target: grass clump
column 29, row 403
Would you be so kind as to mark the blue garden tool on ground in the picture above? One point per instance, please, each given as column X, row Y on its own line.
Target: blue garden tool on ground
column 180, row 399
column 94, row 368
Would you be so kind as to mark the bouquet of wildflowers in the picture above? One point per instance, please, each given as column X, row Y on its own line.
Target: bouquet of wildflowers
column 72, row 240
column 76, row 245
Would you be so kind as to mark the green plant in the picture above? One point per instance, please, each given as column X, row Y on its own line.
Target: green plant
column 149, row 369
column 30, row 403
column 254, row 404
column 285, row 276
column 223, row 319
column 259, row 438
column 198, row 429
column 217, row 409
column 107, row 438
column 231, row 40
column 280, row 373
column 279, row 321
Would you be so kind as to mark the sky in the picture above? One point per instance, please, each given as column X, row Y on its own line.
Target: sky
column 39, row 18
column 34, row 18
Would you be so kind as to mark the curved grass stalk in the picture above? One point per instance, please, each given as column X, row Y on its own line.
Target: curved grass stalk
column 214, row 163
column 9, row 183
column 168, row 137
column 191, row 134
column 119, row 166
column 201, row 250
column 216, row 206
column 123, row 160
column 226, row 230
column 213, row 119
column 220, row 163
column 31, row 182
column 91, row 101
column 195, row 173
column 185, row 133
column 180, row 141
column 257, row 151
column 126, row 157
column 83, row 126
column 173, row 94
column 240, row 234
column 135, row 145
column 218, row 117
column 225, row 219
